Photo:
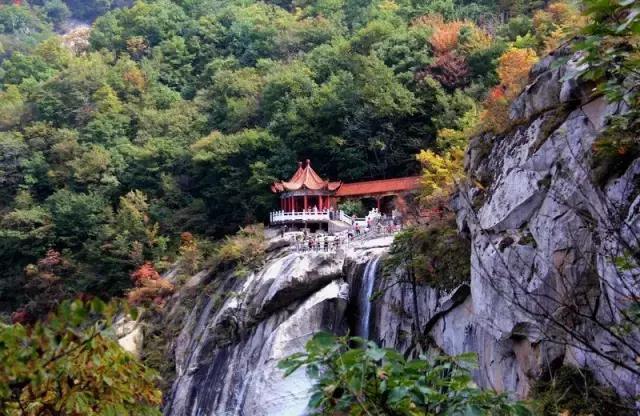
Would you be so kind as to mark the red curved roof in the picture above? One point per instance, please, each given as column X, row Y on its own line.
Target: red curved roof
column 305, row 178
column 382, row 186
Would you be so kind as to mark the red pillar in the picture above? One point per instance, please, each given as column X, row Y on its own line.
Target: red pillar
column 305, row 202
column 378, row 201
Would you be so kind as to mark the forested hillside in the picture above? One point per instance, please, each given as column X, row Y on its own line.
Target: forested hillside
column 174, row 116
column 138, row 140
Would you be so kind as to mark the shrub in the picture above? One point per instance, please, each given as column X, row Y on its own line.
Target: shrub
column 69, row 365
column 436, row 254
column 190, row 253
column 573, row 391
column 150, row 287
column 372, row 380
column 145, row 272
column 613, row 153
column 245, row 250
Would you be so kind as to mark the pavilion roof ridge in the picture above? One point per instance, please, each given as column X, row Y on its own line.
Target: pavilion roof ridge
column 305, row 177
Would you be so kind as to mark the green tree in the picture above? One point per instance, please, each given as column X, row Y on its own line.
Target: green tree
column 238, row 169
column 77, row 217
column 154, row 21
column 234, row 98
column 13, row 107
column 13, row 154
column 57, row 12
column 21, row 66
column 88, row 9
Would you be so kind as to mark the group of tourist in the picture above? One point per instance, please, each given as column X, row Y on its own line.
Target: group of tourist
column 306, row 241
column 311, row 242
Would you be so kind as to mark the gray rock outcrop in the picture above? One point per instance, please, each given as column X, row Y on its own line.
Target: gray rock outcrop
column 227, row 362
column 545, row 289
column 545, row 239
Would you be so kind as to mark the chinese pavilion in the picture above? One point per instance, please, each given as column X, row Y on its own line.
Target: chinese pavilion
column 305, row 191
column 307, row 198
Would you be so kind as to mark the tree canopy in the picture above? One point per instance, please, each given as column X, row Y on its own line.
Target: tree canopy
column 185, row 111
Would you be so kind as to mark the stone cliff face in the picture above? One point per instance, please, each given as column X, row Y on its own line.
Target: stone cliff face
column 228, row 350
column 544, row 288
column 545, row 237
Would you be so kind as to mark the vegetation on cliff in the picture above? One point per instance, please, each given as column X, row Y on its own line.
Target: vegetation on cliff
column 356, row 377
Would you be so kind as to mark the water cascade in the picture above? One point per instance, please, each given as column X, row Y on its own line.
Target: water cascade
column 364, row 298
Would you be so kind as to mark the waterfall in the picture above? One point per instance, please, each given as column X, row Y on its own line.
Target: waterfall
column 364, row 303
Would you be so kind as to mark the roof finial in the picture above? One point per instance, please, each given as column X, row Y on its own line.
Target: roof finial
column 299, row 164
column 308, row 163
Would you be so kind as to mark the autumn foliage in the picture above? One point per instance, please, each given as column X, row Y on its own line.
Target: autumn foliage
column 445, row 36
column 513, row 69
column 450, row 69
column 190, row 254
column 556, row 22
column 45, row 285
column 440, row 172
column 496, row 110
column 21, row 316
column 69, row 365
column 52, row 260
column 150, row 287
column 145, row 272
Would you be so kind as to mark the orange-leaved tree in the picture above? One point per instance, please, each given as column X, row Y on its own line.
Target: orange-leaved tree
column 556, row 23
column 445, row 36
column 150, row 286
column 513, row 70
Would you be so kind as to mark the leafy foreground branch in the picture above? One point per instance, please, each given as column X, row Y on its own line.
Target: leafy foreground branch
column 70, row 365
column 356, row 377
